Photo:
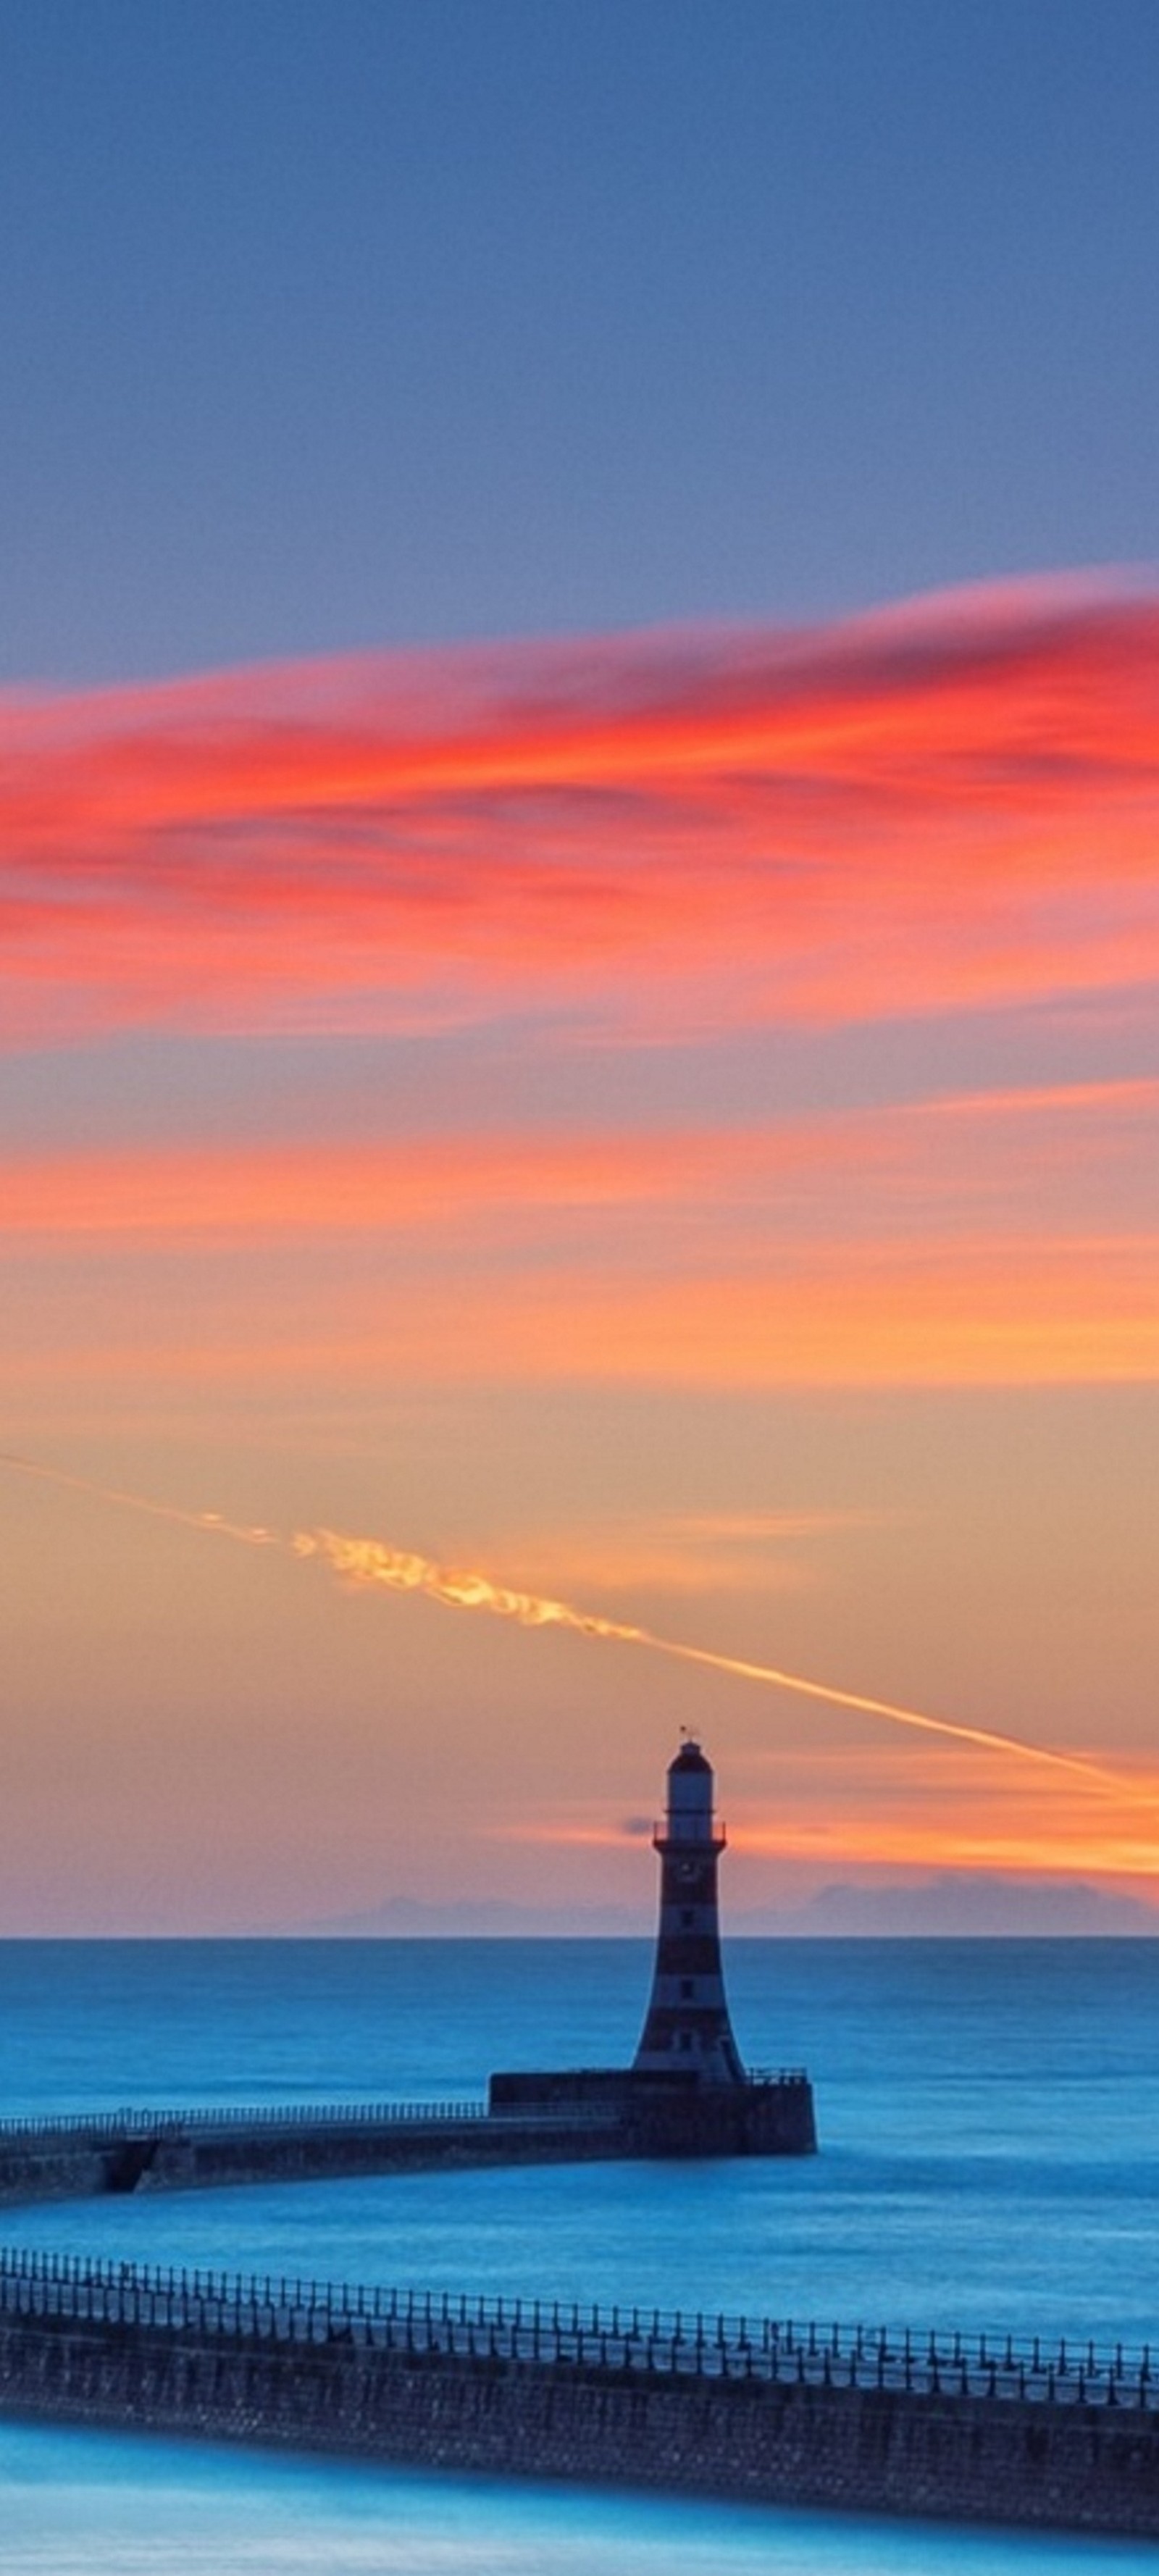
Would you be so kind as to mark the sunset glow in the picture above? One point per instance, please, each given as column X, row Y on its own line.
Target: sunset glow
column 671, row 1115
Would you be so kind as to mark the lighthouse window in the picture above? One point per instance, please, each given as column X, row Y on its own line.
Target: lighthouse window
column 686, row 1989
column 688, row 1916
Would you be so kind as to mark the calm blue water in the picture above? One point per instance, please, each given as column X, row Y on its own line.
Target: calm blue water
column 989, row 2116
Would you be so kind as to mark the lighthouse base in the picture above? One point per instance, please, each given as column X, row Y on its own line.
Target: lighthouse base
column 671, row 2115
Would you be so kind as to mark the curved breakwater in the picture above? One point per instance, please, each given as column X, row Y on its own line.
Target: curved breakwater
column 970, row 2427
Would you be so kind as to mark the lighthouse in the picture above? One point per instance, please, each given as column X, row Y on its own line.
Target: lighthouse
column 686, row 2092
column 687, row 2030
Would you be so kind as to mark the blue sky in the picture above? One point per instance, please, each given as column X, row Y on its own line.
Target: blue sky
column 326, row 327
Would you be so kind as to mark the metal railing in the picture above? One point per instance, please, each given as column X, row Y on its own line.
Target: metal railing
column 135, row 2123
column 201, row 2304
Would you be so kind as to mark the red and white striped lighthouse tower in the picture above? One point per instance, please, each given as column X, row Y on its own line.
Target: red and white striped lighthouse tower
column 686, row 2092
column 687, row 2030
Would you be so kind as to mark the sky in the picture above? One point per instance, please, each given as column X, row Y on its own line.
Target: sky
column 579, row 952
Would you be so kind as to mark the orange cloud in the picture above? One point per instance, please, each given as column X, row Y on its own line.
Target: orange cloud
column 914, row 1808
column 989, row 1311
column 870, row 1164
column 919, row 1808
column 1111, row 1849
column 952, row 803
column 989, row 1239
column 220, row 1194
column 1116, row 1847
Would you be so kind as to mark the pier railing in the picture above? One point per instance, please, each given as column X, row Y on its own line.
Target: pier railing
column 621, row 2339
column 137, row 2123
column 106, row 2126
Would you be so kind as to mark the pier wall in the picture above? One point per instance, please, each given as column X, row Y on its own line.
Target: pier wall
column 304, row 2151
column 858, row 2450
column 452, row 2385
column 189, row 2150
column 666, row 2114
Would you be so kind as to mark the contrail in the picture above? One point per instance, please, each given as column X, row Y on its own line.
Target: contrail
column 367, row 1563
column 143, row 1503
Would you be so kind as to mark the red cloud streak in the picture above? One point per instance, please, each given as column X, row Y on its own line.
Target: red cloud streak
column 951, row 803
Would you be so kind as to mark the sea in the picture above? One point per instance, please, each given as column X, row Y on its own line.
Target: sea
column 988, row 2114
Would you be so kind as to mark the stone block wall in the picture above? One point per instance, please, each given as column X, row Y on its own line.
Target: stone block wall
column 1071, row 2466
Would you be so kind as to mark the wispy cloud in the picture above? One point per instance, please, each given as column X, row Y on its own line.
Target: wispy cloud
column 941, row 1157
column 1004, row 1237
column 996, row 1310
column 680, row 1552
column 954, row 803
